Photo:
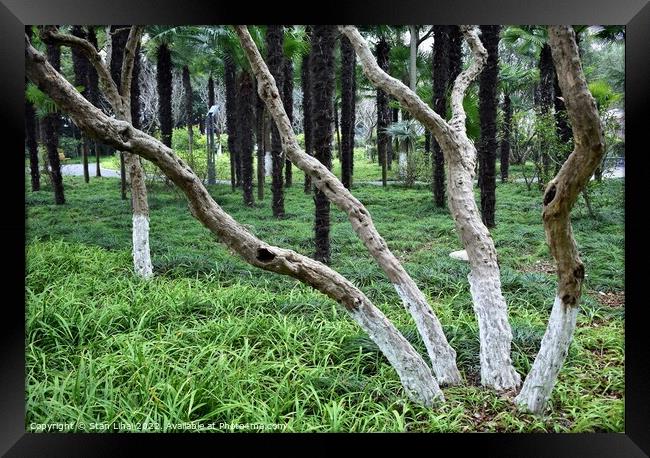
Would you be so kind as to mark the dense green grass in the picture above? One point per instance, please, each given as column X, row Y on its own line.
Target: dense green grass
column 211, row 339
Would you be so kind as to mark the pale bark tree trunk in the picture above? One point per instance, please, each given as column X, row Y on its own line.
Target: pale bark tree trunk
column 442, row 356
column 413, row 45
column 118, row 93
column 559, row 198
column 484, row 278
column 414, row 374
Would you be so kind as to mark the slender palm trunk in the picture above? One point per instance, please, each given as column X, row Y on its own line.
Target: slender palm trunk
column 245, row 108
column 187, row 85
column 212, row 173
column 487, row 147
column 441, row 64
column 275, row 40
column 93, row 94
column 546, row 75
column 164, row 83
column 287, row 98
column 322, row 96
column 306, row 109
column 52, row 123
column 337, row 129
column 505, row 137
column 348, row 63
column 259, row 137
column 231, row 116
column 383, row 113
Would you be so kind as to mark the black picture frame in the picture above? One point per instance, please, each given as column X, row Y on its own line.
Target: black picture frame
column 635, row 14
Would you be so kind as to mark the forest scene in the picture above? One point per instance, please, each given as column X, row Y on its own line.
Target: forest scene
column 321, row 228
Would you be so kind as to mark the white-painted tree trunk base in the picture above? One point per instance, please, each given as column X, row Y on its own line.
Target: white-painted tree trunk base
column 402, row 164
column 268, row 164
column 416, row 377
column 141, row 254
column 554, row 348
column 441, row 354
column 495, row 334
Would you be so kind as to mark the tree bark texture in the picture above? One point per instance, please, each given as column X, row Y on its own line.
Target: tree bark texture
column 487, row 147
column 287, row 99
column 322, row 104
column 231, row 115
column 274, row 42
column 442, row 356
column 441, row 72
column 348, row 65
column 52, row 123
column 245, row 107
column 306, row 109
column 383, row 112
column 414, row 374
column 460, row 154
column 559, row 198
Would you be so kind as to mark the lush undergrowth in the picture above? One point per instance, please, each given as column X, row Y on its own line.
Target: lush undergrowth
column 213, row 340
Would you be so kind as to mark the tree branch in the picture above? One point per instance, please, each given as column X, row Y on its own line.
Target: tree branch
column 128, row 61
column 441, row 354
column 425, row 36
column 466, row 77
column 415, row 375
column 420, row 110
column 50, row 34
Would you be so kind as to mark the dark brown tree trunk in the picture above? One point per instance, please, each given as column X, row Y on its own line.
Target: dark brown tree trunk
column 52, row 123
column 337, row 129
column 245, row 107
column 487, row 147
column 322, row 97
column 441, row 69
column 210, row 132
column 383, row 112
column 93, row 94
column 80, row 66
column 562, row 127
column 505, row 137
column 546, row 75
column 348, row 64
column 306, row 109
column 261, row 151
column 231, row 116
column 275, row 59
column 164, row 83
column 30, row 134
column 117, row 56
column 287, row 99
column 32, row 145
column 189, row 115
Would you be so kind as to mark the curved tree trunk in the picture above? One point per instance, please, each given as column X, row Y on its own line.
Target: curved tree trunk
column 306, row 108
column 559, row 198
column 485, row 285
column 274, row 42
column 52, row 122
column 383, row 112
column 487, row 147
column 440, row 83
column 414, row 374
column 287, row 99
column 442, row 356
column 505, row 137
column 322, row 97
column 348, row 64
